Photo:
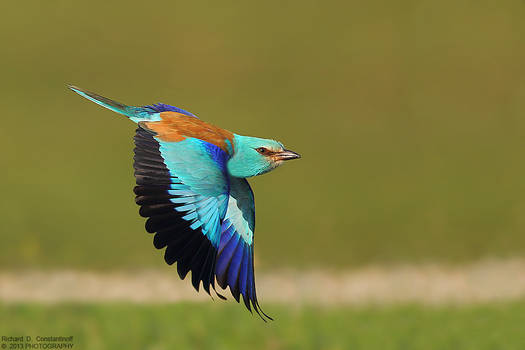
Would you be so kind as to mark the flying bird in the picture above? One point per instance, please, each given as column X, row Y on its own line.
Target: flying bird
column 192, row 188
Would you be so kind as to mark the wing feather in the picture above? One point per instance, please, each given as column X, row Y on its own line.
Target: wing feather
column 234, row 267
column 182, row 211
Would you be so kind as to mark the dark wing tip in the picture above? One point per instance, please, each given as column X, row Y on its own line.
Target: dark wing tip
column 260, row 311
column 219, row 295
column 240, row 280
column 189, row 248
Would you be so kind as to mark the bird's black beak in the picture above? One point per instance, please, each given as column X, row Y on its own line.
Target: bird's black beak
column 287, row 155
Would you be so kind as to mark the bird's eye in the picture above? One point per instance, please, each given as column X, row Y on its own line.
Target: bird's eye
column 262, row 150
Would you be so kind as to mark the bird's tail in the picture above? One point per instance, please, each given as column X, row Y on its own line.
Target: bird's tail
column 134, row 113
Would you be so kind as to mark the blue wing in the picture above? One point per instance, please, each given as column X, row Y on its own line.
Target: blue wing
column 235, row 255
column 162, row 107
column 182, row 188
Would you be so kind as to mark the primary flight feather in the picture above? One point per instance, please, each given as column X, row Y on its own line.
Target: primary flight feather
column 192, row 187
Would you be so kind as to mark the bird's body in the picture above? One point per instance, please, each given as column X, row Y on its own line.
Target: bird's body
column 192, row 187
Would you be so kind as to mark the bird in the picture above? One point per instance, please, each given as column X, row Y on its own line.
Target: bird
column 191, row 185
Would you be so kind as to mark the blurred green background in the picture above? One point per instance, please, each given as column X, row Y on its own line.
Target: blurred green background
column 409, row 116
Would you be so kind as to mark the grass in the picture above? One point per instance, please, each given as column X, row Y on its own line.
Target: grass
column 213, row 326
column 409, row 116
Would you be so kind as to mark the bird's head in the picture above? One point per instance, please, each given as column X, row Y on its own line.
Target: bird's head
column 255, row 156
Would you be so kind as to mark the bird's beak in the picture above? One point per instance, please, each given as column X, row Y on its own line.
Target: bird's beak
column 287, row 155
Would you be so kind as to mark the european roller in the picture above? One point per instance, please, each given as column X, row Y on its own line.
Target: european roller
column 192, row 188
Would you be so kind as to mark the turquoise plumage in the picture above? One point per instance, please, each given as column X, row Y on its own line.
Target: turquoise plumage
column 192, row 188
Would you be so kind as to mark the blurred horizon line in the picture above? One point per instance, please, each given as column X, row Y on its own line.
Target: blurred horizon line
column 484, row 281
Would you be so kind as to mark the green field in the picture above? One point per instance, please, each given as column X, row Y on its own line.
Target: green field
column 199, row 326
column 410, row 117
